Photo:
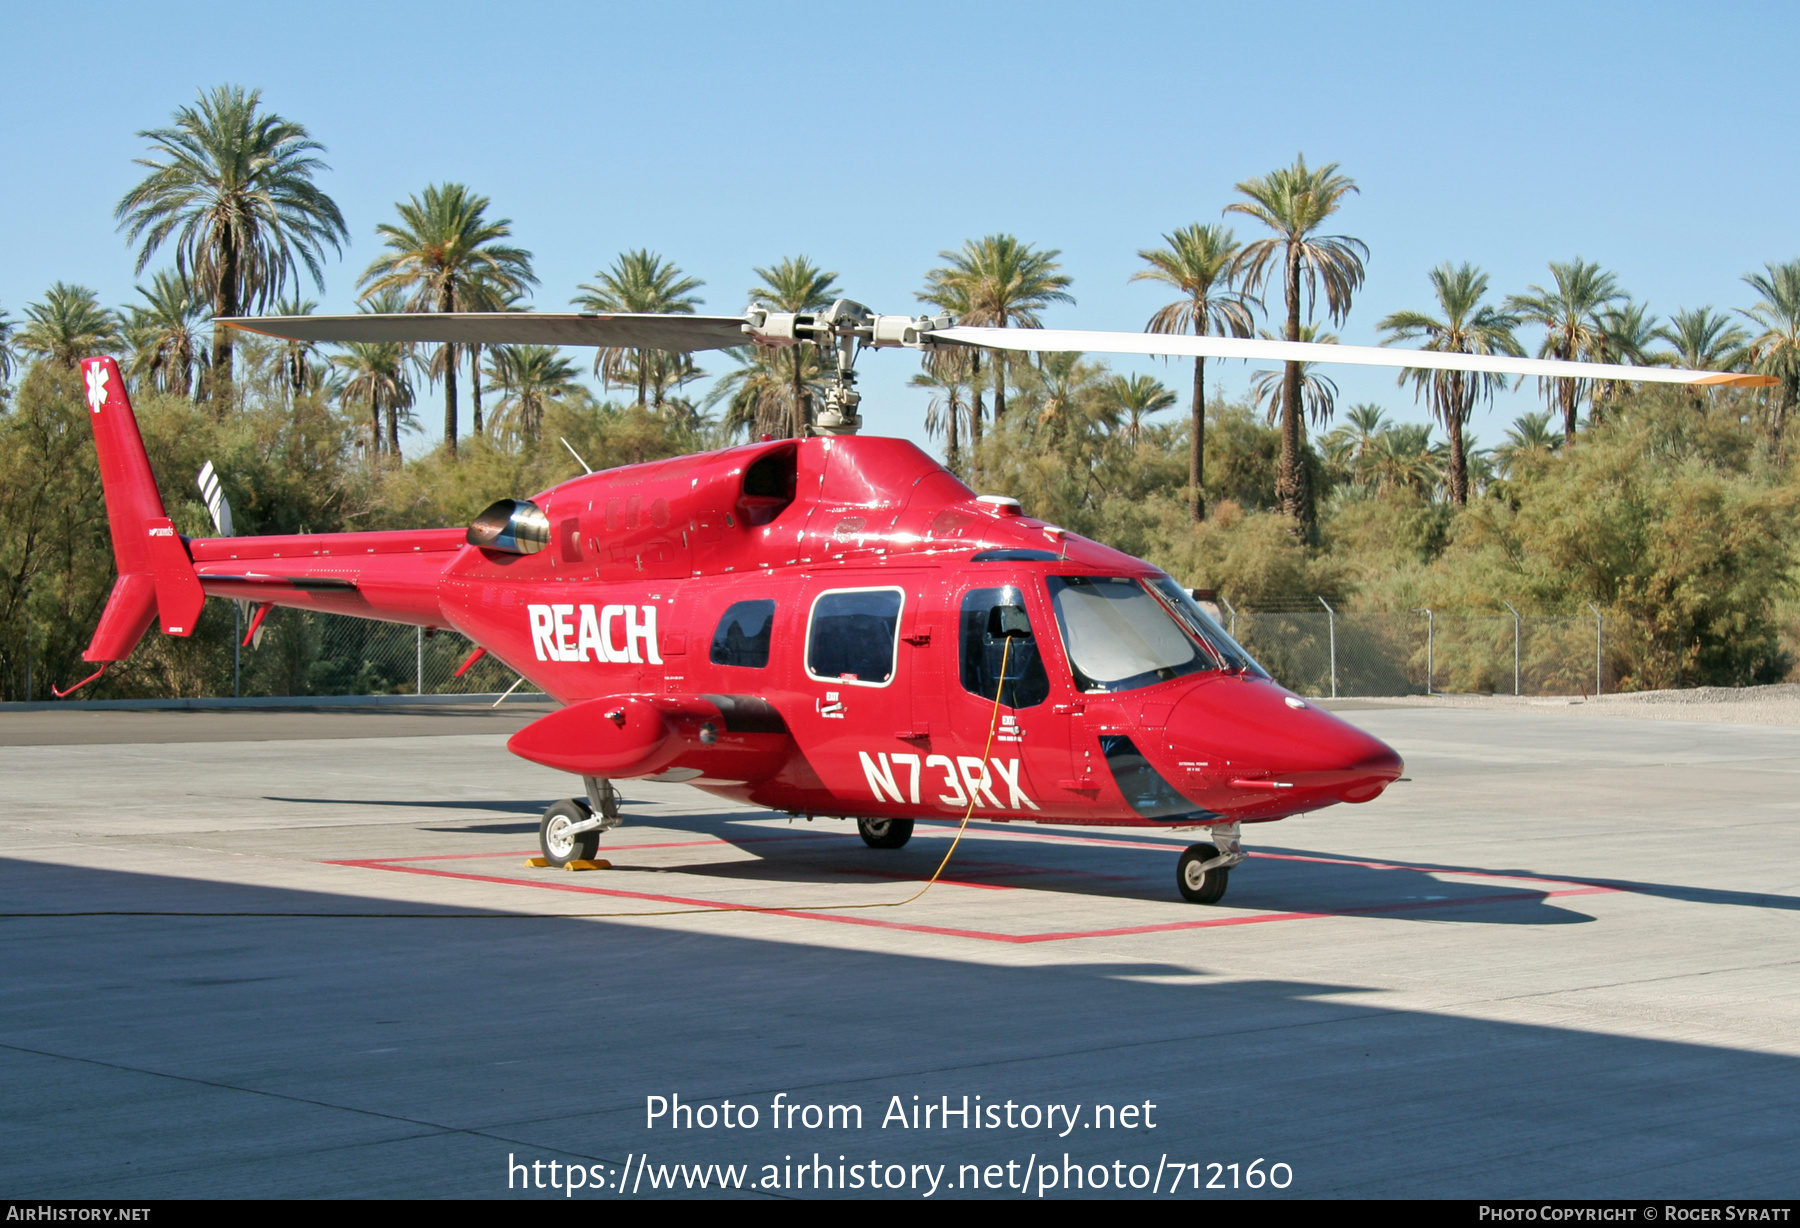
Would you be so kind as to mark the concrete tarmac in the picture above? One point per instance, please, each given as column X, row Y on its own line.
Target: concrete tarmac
column 309, row 961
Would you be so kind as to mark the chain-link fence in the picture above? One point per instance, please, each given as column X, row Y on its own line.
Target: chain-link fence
column 1327, row 653
column 1313, row 652
column 299, row 652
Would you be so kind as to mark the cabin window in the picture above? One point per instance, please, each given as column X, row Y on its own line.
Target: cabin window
column 1119, row 637
column 742, row 638
column 983, row 648
column 851, row 636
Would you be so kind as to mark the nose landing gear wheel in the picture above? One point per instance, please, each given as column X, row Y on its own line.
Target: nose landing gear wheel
column 559, row 847
column 1200, row 886
column 884, row 833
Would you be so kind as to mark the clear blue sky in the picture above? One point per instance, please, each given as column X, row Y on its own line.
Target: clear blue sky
column 1657, row 139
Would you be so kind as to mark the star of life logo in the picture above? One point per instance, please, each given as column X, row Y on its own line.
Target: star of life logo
column 97, row 375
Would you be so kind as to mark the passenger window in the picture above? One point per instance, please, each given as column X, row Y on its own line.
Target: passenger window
column 743, row 635
column 851, row 638
column 983, row 648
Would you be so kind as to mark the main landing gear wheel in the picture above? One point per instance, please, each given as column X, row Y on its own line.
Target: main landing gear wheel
column 1200, row 886
column 559, row 847
column 884, row 833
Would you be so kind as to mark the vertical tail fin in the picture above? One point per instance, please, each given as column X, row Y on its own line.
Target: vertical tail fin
column 156, row 576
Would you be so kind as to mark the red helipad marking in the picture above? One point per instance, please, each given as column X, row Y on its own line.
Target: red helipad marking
column 1575, row 888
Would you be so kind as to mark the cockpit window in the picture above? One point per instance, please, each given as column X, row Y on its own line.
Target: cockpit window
column 1119, row 637
column 985, row 648
column 1203, row 625
column 742, row 637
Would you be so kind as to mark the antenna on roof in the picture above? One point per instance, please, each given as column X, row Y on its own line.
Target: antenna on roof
column 575, row 454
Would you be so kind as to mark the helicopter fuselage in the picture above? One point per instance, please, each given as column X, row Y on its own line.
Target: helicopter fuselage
column 816, row 626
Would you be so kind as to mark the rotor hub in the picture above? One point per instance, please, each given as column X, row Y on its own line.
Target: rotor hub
column 846, row 328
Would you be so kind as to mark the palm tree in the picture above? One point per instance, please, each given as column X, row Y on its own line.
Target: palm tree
column 640, row 281
column 1464, row 325
column 529, row 377
column 1627, row 334
column 1530, row 438
column 955, row 364
column 1003, row 282
column 1318, row 393
column 69, row 325
column 1404, row 458
column 1776, row 350
column 1351, row 445
column 233, row 186
column 1704, row 340
column 1133, row 397
column 163, row 335
column 797, row 285
column 1198, row 263
column 1573, row 328
column 946, row 383
column 296, row 356
column 375, row 373
column 1294, row 202
column 759, row 397
column 6, row 350
column 445, row 255
column 483, row 297
column 1062, row 389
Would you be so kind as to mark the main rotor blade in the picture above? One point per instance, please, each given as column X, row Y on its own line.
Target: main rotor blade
column 620, row 331
column 1189, row 346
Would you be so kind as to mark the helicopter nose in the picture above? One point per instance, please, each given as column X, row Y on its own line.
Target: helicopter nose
column 1250, row 736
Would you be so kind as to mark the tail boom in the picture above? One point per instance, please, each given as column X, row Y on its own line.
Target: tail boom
column 391, row 576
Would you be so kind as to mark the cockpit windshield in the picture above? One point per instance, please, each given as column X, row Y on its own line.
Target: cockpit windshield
column 1119, row 637
column 1203, row 625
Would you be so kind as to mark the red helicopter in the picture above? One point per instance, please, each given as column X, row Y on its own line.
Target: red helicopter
column 827, row 626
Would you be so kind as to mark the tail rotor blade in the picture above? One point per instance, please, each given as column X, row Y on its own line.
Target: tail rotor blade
column 217, row 505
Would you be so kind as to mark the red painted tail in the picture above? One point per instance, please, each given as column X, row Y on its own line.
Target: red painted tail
column 156, row 576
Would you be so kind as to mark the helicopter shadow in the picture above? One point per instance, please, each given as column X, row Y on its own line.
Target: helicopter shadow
column 1297, row 881
column 829, row 853
column 1683, row 892
column 532, row 808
